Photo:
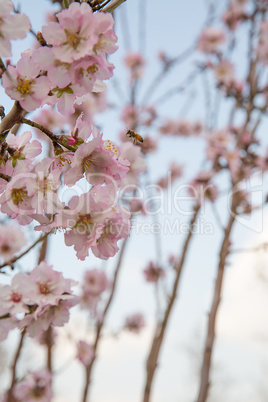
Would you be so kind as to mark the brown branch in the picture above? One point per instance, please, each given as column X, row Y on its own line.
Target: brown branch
column 166, row 68
column 14, row 259
column 14, row 368
column 100, row 323
column 152, row 360
column 112, row 6
column 5, row 177
column 210, row 338
column 49, row 134
column 13, row 117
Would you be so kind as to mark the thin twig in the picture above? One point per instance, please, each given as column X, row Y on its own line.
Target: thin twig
column 10, row 120
column 100, row 323
column 49, row 134
column 14, row 367
column 14, row 259
column 152, row 360
column 166, row 68
column 210, row 338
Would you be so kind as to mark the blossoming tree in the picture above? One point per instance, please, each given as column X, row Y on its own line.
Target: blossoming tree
column 50, row 143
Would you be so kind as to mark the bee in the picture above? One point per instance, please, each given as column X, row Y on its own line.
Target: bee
column 136, row 137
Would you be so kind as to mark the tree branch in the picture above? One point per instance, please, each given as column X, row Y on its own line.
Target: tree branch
column 100, row 323
column 152, row 360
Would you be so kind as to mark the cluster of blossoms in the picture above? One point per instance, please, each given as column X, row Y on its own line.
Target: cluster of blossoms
column 94, row 284
column 134, row 323
column 133, row 116
column 70, row 63
column 35, row 301
column 181, row 127
column 235, row 12
column 153, row 272
column 135, row 62
column 67, row 69
column 210, row 40
column 13, row 26
column 35, row 387
column 12, row 240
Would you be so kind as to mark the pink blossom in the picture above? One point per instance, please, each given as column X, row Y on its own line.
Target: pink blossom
column 48, row 286
column 85, row 352
column 12, row 240
column 201, row 188
column 24, row 149
column 106, row 37
column 181, row 127
column 73, row 37
column 6, row 325
column 218, row 142
column 232, row 16
column 134, row 323
column 153, row 273
column 88, row 105
column 116, row 226
column 17, row 199
column 135, row 62
column 224, row 72
column 148, row 145
column 13, row 26
column 136, row 206
column 24, row 85
column 36, row 387
column 14, row 298
column 97, row 163
column 47, row 315
column 210, row 40
column 130, row 116
column 85, row 218
column 87, row 71
column 47, row 182
column 94, row 284
column 137, row 165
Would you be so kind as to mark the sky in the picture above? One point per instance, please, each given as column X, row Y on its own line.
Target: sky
column 242, row 334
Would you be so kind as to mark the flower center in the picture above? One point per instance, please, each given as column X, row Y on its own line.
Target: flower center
column 43, row 288
column 73, row 39
column 92, row 69
column 24, row 86
column 16, row 297
column 18, row 195
column 89, row 164
column 84, row 225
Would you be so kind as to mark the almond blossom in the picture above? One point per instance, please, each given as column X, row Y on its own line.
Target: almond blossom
column 210, row 40
column 24, row 84
column 36, row 387
column 94, row 284
column 12, row 26
column 14, row 298
column 85, row 218
column 73, row 37
column 12, row 240
column 97, row 163
column 134, row 323
column 153, row 273
column 48, row 286
column 137, row 165
column 16, row 201
column 85, row 352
